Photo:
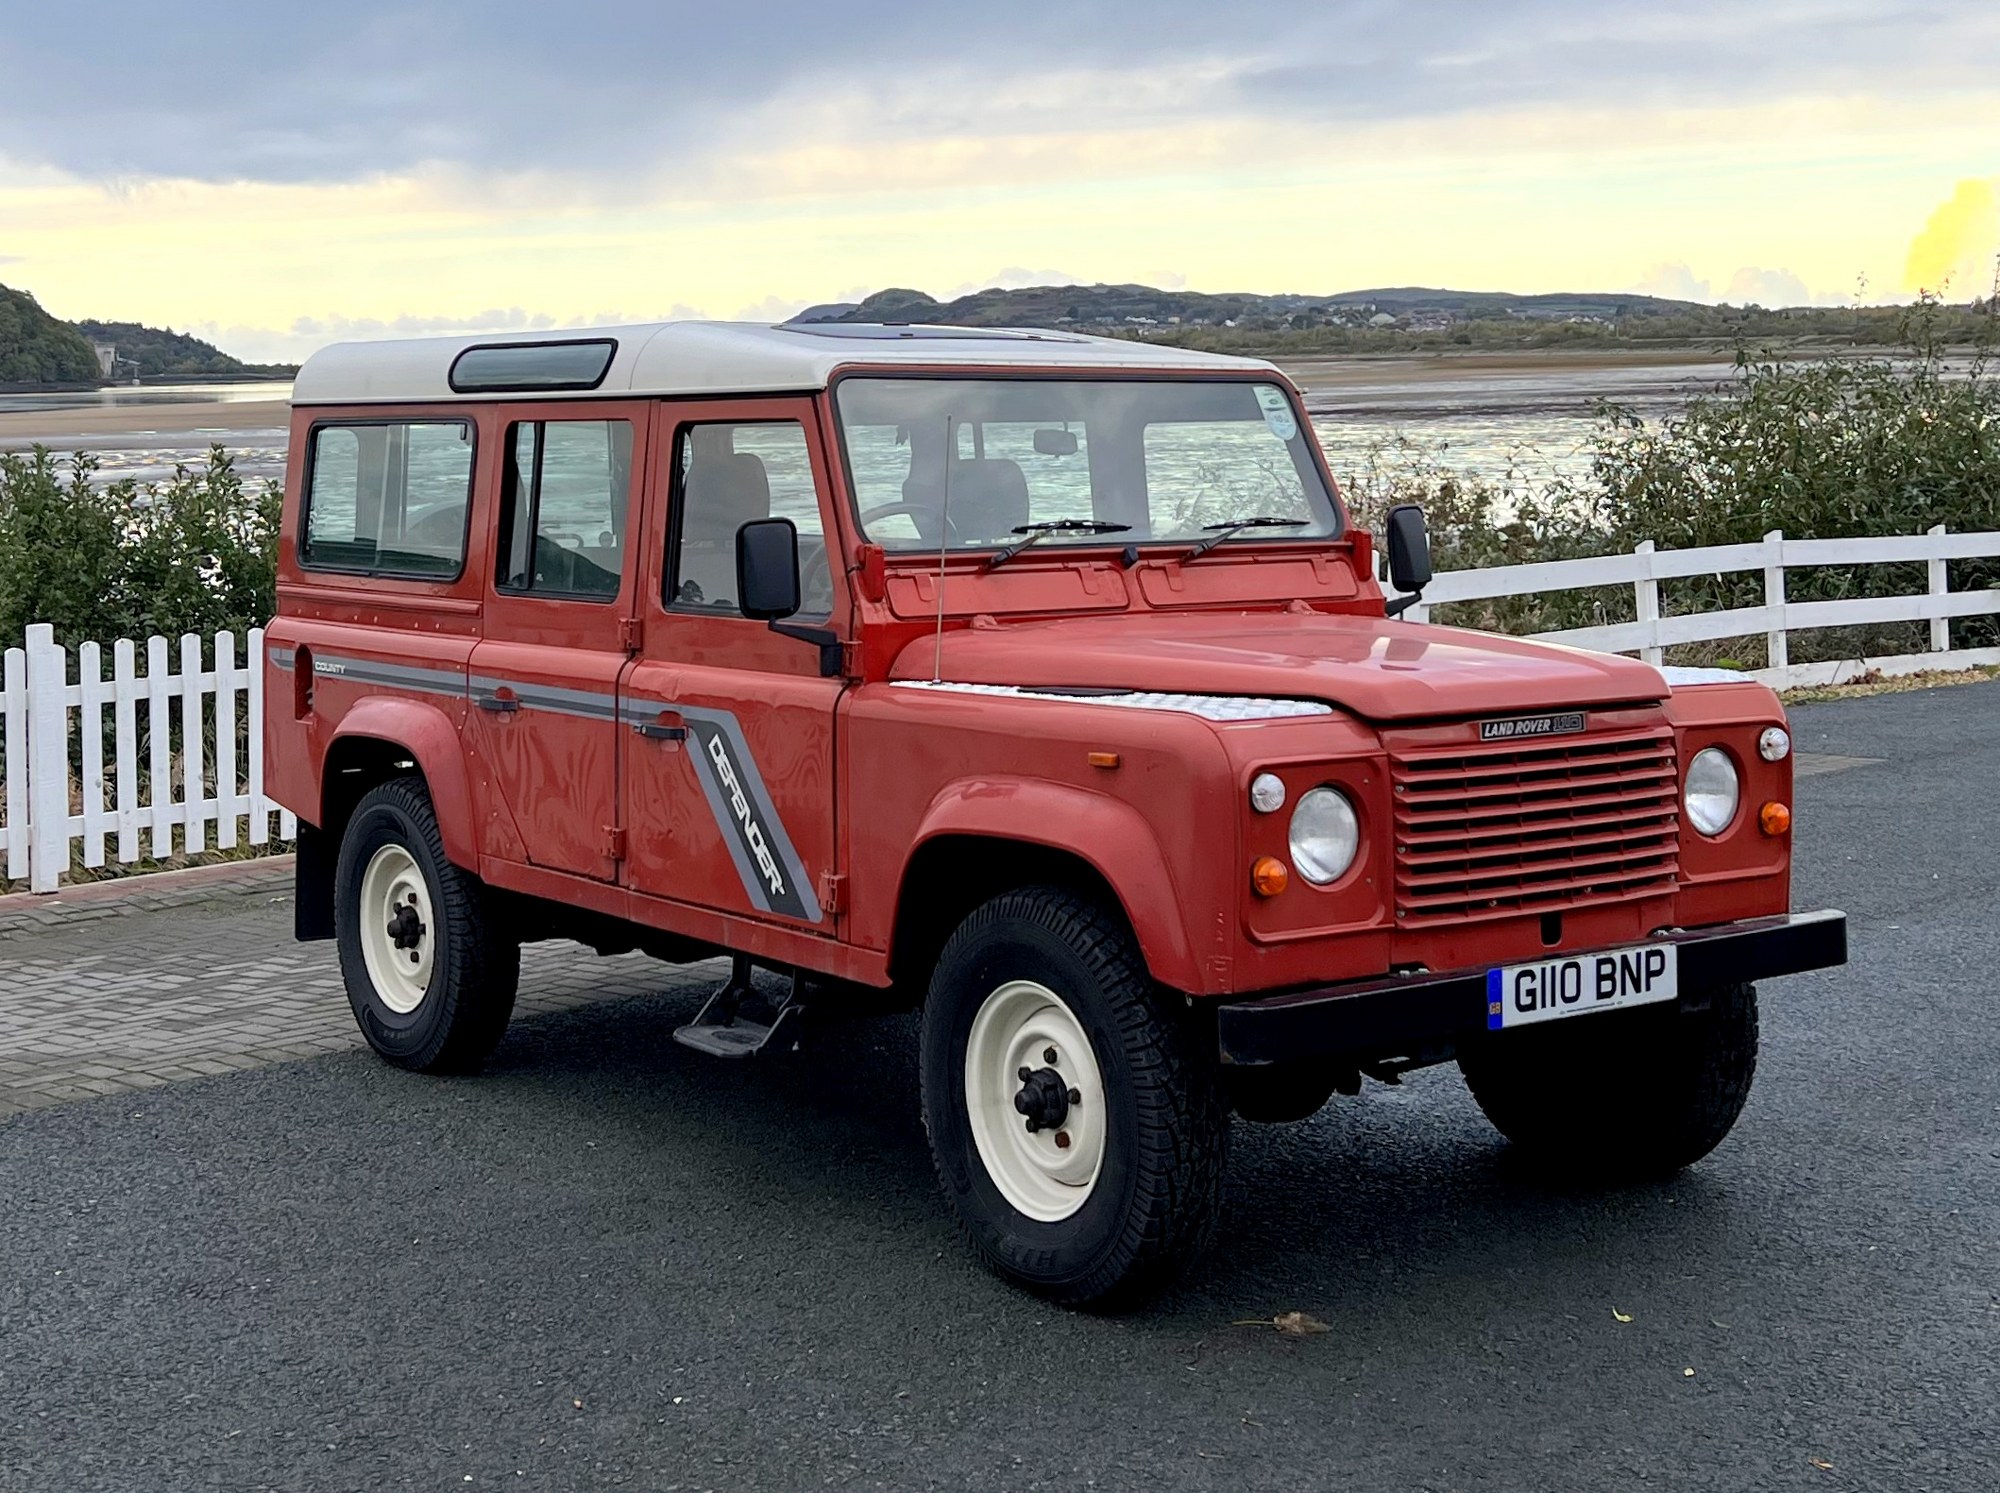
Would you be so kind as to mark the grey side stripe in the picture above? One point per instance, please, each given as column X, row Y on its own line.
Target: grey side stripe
column 397, row 676
column 774, row 876
column 558, row 700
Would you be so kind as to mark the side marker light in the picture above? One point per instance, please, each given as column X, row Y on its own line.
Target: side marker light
column 1774, row 819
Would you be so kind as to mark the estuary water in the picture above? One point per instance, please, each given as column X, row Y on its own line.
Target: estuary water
column 1478, row 416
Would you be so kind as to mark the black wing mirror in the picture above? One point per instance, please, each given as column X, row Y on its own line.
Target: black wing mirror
column 1409, row 543
column 767, row 569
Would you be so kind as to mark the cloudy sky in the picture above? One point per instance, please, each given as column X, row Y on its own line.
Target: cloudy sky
column 279, row 175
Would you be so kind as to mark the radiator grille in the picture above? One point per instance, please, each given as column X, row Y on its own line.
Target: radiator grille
column 1487, row 831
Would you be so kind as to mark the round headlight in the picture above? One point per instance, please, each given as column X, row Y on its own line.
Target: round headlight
column 1712, row 791
column 1325, row 835
column 1775, row 745
column 1267, row 793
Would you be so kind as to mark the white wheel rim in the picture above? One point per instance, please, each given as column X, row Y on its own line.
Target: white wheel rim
column 398, row 931
column 1048, row 1173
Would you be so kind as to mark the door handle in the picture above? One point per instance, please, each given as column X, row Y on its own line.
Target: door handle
column 500, row 703
column 667, row 726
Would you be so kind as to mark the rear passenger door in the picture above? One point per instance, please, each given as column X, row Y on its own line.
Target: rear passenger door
column 559, row 609
column 729, row 781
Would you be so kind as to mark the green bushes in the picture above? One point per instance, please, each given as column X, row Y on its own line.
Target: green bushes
column 193, row 554
column 1824, row 450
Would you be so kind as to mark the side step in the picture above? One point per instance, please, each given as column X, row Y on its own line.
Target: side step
column 739, row 1022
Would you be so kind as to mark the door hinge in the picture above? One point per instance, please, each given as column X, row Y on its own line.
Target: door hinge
column 628, row 634
column 614, row 843
column 832, row 893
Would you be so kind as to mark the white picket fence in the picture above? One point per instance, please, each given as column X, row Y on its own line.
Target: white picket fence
column 40, row 698
column 52, row 802
column 1651, row 633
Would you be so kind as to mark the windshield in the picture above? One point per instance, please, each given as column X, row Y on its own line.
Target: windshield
column 972, row 462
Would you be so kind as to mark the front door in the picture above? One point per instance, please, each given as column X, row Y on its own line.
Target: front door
column 729, row 783
column 544, row 681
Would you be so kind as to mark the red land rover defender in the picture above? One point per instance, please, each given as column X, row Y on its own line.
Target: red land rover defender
column 1035, row 680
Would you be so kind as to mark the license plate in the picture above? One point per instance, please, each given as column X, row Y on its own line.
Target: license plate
column 1523, row 994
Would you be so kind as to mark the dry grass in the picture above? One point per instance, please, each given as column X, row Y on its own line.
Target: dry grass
column 1878, row 684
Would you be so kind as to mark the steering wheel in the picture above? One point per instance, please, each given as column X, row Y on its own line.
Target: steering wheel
column 915, row 511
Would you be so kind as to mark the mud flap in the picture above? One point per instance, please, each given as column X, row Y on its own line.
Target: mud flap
column 312, row 900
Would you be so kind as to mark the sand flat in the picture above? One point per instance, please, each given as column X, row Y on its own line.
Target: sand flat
column 174, row 419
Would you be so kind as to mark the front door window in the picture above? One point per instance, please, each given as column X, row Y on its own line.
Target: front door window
column 730, row 475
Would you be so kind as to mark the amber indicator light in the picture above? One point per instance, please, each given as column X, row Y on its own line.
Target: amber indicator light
column 1774, row 819
column 1268, row 876
column 1103, row 759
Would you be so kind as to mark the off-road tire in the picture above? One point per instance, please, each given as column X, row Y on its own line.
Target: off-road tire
column 1621, row 1096
column 476, row 966
column 1156, row 1196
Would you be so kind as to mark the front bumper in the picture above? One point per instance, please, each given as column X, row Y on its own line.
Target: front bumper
column 1402, row 1017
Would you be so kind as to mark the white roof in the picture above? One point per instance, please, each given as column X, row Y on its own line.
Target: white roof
column 728, row 357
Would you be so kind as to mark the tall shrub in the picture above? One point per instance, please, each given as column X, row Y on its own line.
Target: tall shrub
column 196, row 553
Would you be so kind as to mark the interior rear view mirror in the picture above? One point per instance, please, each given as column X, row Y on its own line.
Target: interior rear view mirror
column 1056, row 442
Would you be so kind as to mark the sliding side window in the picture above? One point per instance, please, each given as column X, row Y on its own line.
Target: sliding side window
column 731, row 475
column 388, row 497
column 563, row 508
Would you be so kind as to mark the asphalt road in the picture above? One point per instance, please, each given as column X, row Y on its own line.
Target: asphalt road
column 613, row 1263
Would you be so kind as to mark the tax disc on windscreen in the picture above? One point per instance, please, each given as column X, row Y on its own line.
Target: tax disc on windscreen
column 1277, row 412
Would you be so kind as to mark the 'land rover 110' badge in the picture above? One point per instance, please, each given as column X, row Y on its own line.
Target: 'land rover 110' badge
column 1524, row 726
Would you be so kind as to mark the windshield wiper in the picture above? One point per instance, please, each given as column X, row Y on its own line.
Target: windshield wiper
column 1235, row 526
column 1038, row 532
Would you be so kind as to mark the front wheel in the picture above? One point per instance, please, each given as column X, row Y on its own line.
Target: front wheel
column 429, row 970
column 1074, row 1110
column 1623, row 1095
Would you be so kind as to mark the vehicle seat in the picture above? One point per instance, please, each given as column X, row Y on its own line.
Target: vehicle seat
column 722, row 492
column 989, row 498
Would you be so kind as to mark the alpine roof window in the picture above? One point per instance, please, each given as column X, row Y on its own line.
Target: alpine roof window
column 524, row 367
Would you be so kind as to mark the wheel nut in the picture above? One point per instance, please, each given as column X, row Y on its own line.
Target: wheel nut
column 1049, row 1056
column 1076, row 1096
column 1062, row 1140
column 1024, row 1075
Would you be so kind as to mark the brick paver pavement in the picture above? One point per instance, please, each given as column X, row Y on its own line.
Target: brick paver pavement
column 132, row 984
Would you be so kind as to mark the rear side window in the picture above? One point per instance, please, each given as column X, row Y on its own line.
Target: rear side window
column 563, row 508
column 388, row 497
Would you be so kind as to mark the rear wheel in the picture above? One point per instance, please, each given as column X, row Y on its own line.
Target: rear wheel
column 429, row 972
column 1074, row 1109
column 1634, row 1094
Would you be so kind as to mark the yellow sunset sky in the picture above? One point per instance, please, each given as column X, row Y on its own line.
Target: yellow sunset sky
column 327, row 202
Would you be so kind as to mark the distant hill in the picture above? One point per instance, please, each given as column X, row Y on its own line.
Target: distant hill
column 35, row 348
column 1418, row 319
column 164, row 353
column 1141, row 306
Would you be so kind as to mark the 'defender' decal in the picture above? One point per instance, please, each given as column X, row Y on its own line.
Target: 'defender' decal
column 764, row 854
